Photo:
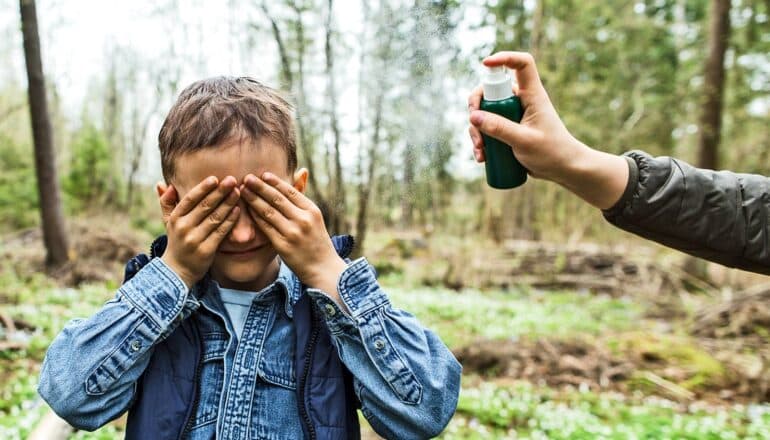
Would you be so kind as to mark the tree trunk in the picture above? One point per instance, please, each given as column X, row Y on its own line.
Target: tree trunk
column 296, row 85
column 54, row 232
column 337, row 197
column 536, row 35
column 367, row 182
column 713, row 88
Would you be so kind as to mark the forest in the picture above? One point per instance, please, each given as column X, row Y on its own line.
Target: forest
column 566, row 327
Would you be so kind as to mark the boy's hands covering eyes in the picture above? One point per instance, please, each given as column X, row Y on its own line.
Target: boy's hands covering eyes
column 197, row 224
column 295, row 227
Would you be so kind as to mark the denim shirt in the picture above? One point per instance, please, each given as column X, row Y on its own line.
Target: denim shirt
column 405, row 378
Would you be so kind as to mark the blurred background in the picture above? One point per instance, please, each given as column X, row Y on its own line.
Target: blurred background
column 567, row 328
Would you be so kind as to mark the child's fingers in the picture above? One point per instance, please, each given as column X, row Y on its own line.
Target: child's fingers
column 268, row 229
column 291, row 193
column 195, row 195
column 167, row 199
column 209, row 203
column 218, row 216
column 262, row 210
column 212, row 241
column 271, row 195
column 503, row 129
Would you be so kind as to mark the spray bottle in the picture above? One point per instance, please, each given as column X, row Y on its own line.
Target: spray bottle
column 503, row 170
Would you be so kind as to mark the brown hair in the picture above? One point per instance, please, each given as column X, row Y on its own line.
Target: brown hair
column 214, row 110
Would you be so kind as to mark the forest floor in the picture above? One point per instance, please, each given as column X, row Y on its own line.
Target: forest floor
column 557, row 341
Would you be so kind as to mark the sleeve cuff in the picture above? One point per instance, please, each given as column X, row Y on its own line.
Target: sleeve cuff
column 628, row 193
column 157, row 292
column 358, row 290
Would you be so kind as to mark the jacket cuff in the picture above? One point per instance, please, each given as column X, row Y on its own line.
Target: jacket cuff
column 157, row 292
column 358, row 290
column 628, row 193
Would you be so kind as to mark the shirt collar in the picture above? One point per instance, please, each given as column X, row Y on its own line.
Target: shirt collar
column 286, row 281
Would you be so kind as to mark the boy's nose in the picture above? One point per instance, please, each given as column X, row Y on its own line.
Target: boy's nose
column 244, row 230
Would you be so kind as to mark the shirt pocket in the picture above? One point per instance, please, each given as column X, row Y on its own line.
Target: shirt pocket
column 212, row 377
column 276, row 364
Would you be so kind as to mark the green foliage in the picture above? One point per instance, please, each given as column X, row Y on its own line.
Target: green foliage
column 525, row 411
column 91, row 175
column 455, row 316
column 18, row 186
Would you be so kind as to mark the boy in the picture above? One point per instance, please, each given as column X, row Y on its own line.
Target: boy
column 719, row 216
column 248, row 321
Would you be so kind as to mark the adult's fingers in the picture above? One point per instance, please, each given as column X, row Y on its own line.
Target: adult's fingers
column 524, row 65
column 503, row 129
column 210, row 202
column 478, row 144
column 474, row 100
column 195, row 195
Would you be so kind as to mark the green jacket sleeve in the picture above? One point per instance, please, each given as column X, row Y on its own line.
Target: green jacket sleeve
column 717, row 215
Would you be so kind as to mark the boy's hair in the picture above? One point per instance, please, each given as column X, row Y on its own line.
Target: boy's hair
column 214, row 110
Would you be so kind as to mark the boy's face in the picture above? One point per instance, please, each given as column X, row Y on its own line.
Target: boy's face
column 245, row 259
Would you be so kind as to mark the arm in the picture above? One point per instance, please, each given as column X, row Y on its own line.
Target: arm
column 542, row 143
column 407, row 380
column 89, row 373
column 720, row 216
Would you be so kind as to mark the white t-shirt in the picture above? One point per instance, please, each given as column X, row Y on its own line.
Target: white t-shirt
column 237, row 303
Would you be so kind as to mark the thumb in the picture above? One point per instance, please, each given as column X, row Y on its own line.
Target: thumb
column 512, row 133
column 168, row 200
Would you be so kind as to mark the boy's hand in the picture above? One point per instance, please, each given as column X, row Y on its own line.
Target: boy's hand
column 197, row 225
column 295, row 227
column 542, row 143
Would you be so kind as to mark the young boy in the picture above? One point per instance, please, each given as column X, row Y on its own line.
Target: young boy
column 720, row 216
column 247, row 320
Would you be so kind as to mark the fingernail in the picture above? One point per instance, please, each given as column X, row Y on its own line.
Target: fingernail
column 477, row 155
column 266, row 175
column 227, row 181
column 477, row 118
column 211, row 180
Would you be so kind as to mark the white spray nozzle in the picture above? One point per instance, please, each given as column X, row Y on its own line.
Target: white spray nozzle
column 497, row 84
column 496, row 74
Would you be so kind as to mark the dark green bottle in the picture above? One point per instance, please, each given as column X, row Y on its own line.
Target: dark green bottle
column 503, row 170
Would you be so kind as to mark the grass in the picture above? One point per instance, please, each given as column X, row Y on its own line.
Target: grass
column 463, row 317
column 487, row 409
column 522, row 410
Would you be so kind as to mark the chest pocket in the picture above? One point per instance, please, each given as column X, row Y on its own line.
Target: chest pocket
column 212, row 377
column 276, row 364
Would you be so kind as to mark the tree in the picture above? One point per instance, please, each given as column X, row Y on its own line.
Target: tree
column 54, row 233
column 713, row 88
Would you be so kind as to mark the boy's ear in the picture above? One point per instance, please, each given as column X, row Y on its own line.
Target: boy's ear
column 300, row 179
column 161, row 188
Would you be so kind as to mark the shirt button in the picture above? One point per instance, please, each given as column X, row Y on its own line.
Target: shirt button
column 379, row 344
column 135, row 345
column 330, row 311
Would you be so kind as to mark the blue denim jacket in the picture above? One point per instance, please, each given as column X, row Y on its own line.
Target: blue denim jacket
column 406, row 380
